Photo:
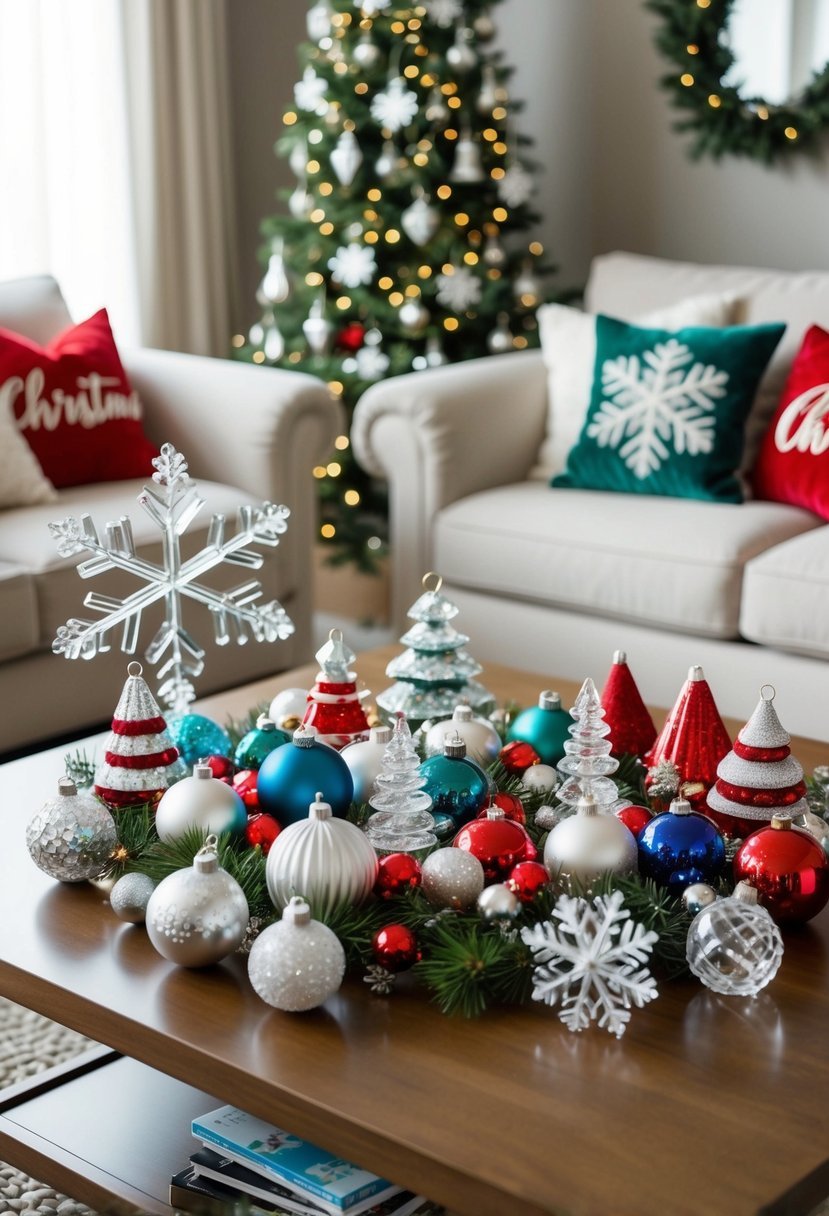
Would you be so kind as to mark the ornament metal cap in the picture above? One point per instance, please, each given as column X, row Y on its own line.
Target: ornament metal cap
column 380, row 734
column 265, row 722
column 745, row 892
column 320, row 809
column 203, row 772
column 620, row 656
column 206, row 860
column 495, row 812
column 454, row 746
column 783, row 823
column 549, row 699
column 696, row 673
column 67, row 787
column 297, row 911
column 587, row 806
column 462, row 713
column 303, row 737
column 680, row 806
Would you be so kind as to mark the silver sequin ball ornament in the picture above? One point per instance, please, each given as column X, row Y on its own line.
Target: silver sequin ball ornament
column 452, row 878
column 71, row 837
column 130, row 896
column 297, row 963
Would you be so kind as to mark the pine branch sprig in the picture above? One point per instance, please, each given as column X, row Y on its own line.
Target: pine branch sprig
column 246, row 865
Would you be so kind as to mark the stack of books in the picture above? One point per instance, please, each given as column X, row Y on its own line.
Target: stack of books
column 247, row 1165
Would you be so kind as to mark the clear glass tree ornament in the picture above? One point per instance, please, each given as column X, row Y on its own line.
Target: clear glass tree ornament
column 402, row 821
column 733, row 946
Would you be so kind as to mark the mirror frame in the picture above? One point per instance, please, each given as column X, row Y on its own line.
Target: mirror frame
column 721, row 120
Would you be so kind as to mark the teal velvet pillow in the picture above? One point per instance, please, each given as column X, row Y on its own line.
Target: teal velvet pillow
column 668, row 409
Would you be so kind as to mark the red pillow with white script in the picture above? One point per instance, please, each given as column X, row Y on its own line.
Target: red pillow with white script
column 793, row 465
column 74, row 404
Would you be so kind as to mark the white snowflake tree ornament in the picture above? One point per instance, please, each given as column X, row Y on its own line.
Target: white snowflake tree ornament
column 172, row 503
column 309, row 93
column 444, row 12
column 516, row 186
column 459, row 290
column 353, row 265
column 591, row 961
column 371, row 8
column 656, row 402
column 396, row 107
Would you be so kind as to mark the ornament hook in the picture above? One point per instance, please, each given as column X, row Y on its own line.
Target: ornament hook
column 134, row 670
column 335, row 635
column 424, row 582
column 768, row 692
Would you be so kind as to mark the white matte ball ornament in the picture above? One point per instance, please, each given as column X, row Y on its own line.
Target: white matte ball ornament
column 200, row 801
column 365, row 761
column 540, row 778
column 290, row 703
column 328, row 861
column 482, row 740
column 198, row 915
column 71, row 837
column 130, row 896
column 451, row 878
column 297, row 963
column 588, row 844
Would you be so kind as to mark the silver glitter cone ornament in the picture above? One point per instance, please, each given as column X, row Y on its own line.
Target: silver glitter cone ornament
column 71, row 837
column 297, row 963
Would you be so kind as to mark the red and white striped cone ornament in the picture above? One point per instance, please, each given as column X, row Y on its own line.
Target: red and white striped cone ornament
column 140, row 759
column 334, row 708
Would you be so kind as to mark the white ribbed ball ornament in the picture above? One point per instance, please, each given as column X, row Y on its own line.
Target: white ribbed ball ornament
column 482, row 740
column 328, row 861
column 200, row 801
column 297, row 963
column 588, row 845
column 365, row 761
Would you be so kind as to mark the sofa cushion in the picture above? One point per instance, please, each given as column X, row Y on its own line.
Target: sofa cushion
column 673, row 563
column 25, row 540
column 18, row 612
column 786, row 596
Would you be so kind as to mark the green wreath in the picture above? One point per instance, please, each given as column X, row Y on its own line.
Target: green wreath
column 720, row 118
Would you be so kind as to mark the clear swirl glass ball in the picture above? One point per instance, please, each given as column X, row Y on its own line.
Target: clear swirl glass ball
column 734, row 947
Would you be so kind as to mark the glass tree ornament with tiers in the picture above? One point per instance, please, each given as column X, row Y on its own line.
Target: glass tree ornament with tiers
column 435, row 672
column 587, row 765
column 402, row 820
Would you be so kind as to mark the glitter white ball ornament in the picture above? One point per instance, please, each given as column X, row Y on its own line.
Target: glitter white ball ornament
column 452, row 878
column 288, row 704
column 498, row 902
column 483, row 743
column 365, row 761
column 198, row 915
column 130, row 896
column 200, row 801
column 297, row 963
column 71, row 837
column 588, row 845
column 734, row 947
column 540, row 778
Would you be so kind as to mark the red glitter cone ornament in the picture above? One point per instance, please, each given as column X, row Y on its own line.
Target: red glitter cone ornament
column 759, row 778
column 334, row 708
column 632, row 731
column 140, row 759
column 693, row 738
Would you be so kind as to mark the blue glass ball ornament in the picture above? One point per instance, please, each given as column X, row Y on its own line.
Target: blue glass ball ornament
column 681, row 847
column 259, row 743
column 457, row 785
column 196, row 736
column 546, row 726
column 291, row 775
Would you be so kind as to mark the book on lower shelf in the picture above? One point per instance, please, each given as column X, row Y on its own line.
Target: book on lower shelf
column 306, row 1179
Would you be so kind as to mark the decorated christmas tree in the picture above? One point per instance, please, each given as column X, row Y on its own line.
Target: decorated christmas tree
column 404, row 246
column 435, row 672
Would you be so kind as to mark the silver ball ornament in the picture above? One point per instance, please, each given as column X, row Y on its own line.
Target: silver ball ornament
column 71, row 837
column 540, row 778
column 366, row 53
column 200, row 801
column 130, row 896
column 289, row 703
column 815, row 825
column 498, row 902
column 198, row 915
column 588, row 844
column 451, row 878
column 365, row 761
column 484, row 28
column 414, row 316
column 482, row 740
column 297, row 963
column 698, row 896
column 460, row 55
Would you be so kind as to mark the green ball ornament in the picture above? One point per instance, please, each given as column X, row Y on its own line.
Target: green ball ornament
column 545, row 726
column 259, row 743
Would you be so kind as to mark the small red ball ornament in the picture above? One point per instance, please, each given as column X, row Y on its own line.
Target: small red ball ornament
column 510, row 804
column 396, row 874
column 518, row 756
column 244, row 784
column 395, row 948
column 634, row 817
column 351, row 337
column 497, row 842
column 789, row 869
column 527, row 879
column 262, row 831
column 221, row 767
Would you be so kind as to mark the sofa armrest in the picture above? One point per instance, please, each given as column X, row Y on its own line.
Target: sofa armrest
column 440, row 435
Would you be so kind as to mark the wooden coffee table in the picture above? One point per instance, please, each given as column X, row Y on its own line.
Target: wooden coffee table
column 705, row 1105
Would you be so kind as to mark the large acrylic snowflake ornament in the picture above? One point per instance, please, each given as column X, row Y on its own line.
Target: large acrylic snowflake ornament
column 592, row 962
column 172, row 503
column 353, row 265
column 396, row 107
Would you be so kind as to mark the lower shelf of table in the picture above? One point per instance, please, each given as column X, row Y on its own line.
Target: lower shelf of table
column 104, row 1129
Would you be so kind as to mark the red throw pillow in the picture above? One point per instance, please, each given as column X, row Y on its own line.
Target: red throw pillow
column 74, row 404
column 793, row 465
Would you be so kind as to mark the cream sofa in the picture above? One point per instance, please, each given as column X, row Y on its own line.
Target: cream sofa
column 555, row 580
column 249, row 434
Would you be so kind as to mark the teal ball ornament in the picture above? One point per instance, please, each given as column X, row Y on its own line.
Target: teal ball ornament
column 290, row 776
column 457, row 785
column 546, row 726
column 195, row 736
column 259, row 743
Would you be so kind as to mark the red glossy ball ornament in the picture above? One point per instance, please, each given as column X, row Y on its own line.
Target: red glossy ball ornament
column 789, row 869
column 510, row 804
column 518, row 756
column 262, row 830
column 221, row 767
column 635, row 818
column 497, row 842
column 351, row 337
column 527, row 879
column 244, row 784
column 395, row 948
column 397, row 873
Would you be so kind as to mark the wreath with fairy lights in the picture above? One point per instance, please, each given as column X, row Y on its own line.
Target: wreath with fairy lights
column 721, row 119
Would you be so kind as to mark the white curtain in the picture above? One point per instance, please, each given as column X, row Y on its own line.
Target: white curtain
column 115, row 162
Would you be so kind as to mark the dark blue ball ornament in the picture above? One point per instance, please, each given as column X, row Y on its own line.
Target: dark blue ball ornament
column 259, row 743
column 291, row 775
column 457, row 785
column 681, row 847
column 546, row 726
column 196, row 736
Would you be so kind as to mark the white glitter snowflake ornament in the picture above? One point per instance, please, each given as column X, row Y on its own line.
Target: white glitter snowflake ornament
column 371, row 361
column 353, row 265
column 172, row 503
column 396, row 107
column 590, row 959
column 444, row 12
column 379, row 980
column 371, row 8
column 516, row 186
column 309, row 93
column 459, row 290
